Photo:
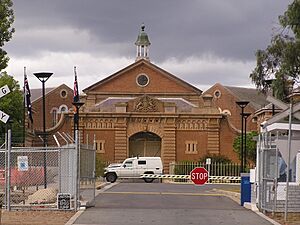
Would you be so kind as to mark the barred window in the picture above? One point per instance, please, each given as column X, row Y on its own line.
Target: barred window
column 100, row 146
column 191, row 147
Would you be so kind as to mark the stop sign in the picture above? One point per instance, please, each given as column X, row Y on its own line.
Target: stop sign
column 199, row 175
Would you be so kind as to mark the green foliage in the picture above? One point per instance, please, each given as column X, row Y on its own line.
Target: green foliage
column 184, row 167
column 12, row 104
column 215, row 158
column 281, row 59
column 100, row 165
column 6, row 31
column 250, row 145
column 290, row 19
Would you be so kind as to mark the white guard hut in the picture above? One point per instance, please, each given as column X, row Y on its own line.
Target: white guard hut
column 278, row 160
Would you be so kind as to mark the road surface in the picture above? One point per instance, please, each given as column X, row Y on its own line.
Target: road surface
column 166, row 204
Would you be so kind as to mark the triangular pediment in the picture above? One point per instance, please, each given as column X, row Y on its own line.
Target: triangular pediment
column 154, row 81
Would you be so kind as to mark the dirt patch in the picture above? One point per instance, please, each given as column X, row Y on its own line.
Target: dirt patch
column 35, row 217
column 292, row 218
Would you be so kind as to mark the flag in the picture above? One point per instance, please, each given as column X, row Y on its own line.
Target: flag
column 75, row 91
column 28, row 96
column 75, row 97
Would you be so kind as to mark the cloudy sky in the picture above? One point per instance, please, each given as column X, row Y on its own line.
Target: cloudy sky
column 200, row 41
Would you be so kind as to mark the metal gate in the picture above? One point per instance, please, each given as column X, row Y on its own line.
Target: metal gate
column 268, row 172
column 87, row 184
column 35, row 177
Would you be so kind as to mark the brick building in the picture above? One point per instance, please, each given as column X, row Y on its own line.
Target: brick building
column 57, row 106
column 144, row 110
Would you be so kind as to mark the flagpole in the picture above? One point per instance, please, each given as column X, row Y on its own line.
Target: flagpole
column 77, row 104
column 24, row 107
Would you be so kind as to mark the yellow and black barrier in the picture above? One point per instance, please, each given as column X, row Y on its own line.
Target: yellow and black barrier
column 211, row 179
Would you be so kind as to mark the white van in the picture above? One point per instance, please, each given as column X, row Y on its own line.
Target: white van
column 134, row 168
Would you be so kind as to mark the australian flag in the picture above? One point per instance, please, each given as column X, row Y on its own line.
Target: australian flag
column 75, row 97
column 75, row 91
column 28, row 96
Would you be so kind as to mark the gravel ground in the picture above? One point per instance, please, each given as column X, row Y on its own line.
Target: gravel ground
column 35, row 217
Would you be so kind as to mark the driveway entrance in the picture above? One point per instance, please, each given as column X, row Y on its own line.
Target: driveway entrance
column 166, row 204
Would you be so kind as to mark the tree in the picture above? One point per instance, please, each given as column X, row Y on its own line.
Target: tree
column 12, row 104
column 6, row 31
column 250, row 146
column 291, row 18
column 281, row 59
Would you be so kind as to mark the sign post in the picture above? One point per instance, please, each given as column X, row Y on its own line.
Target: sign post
column 199, row 175
column 4, row 90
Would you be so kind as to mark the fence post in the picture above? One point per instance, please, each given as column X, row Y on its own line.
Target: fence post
column 8, row 170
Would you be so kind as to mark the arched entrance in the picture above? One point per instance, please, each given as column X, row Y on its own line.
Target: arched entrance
column 144, row 144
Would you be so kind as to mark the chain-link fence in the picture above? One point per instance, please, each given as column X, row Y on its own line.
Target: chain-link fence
column 273, row 195
column 47, row 177
column 87, row 175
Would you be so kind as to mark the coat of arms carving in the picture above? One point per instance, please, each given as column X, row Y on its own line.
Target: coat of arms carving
column 146, row 104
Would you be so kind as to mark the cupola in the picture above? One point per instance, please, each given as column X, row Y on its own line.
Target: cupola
column 142, row 45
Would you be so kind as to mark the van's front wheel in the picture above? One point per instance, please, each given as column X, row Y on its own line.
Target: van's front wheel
column 111, row 177
column 148, row 180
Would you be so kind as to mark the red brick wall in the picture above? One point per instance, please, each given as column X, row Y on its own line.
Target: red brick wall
column 108, row 136
column 127, row 83
column 182, row 137
column 228, row 101
column 53, row 99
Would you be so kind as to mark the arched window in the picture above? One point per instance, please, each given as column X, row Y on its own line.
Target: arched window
column 54, row 116
column 63, row 109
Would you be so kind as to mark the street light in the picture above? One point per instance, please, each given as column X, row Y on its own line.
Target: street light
column 43, row 77
column 245, row 116
column 242, row 105
column 76, row 115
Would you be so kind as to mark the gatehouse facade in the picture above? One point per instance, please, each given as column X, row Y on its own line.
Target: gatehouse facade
column 143, row 110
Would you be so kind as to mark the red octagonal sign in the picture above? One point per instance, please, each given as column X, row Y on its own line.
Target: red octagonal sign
column 199, row 175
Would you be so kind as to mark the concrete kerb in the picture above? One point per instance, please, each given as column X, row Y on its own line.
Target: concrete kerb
column 230, row 194
column 99, row 189
column 237, row 198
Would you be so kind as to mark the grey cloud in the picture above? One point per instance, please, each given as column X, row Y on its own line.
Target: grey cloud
column 99, row 36
column 230, row 28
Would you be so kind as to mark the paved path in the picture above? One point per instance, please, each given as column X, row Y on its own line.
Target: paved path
column 166, row 204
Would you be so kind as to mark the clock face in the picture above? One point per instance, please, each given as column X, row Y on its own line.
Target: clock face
column 142, row 80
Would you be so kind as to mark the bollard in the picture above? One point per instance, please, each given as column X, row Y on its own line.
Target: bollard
column 245, row 188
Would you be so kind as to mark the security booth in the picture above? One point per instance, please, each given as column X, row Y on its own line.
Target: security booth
column 278, row 168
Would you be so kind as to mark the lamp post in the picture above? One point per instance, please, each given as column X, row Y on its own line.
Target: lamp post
column 76, row 115
column 242, row 105
column 43, row 77
column 245, row 116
